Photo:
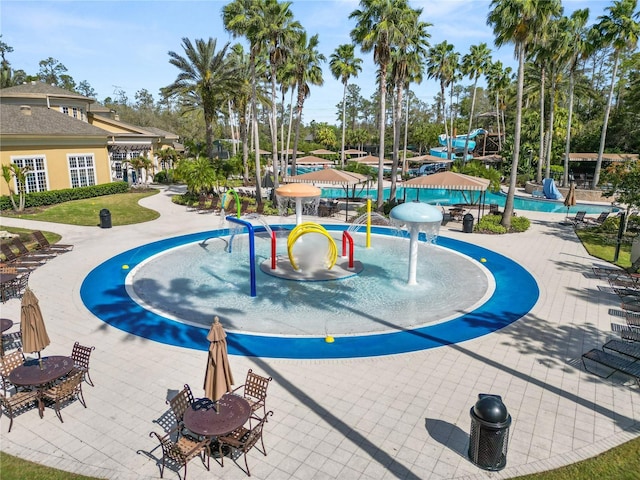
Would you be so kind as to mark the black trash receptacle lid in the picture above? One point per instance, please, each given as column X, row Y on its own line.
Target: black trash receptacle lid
column 104, row 212
column 467, row 216
column 490, row 409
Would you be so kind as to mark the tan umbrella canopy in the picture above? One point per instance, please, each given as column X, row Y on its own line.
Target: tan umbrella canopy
column 428, row 159
column 354, row 151
column 263, row 152
column 313, row 160
column 451, row 181
column 370, row 160
column 290, row 152
column 322, row 151
column 32, row 328
column 218, row 378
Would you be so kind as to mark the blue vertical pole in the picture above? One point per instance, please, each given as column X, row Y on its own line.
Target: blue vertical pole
column 252, row 250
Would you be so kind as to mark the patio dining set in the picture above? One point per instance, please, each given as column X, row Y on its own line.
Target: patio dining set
column 230, row 425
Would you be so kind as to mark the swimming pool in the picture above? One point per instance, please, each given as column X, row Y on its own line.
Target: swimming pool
column 450, row 197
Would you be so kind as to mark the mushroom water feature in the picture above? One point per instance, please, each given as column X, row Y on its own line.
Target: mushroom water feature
column 298, row 191
column 417, row 217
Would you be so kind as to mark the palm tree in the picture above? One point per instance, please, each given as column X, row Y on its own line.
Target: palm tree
column 474, row 64
column 517, row 21
column 344, row 65
column 441, row 65
column 205, row 78
column 240, row 17
column 406, row 63
column 306, row 59
column 498, row 80
column 377, row 30
column 577, row 31
column 277, row 32
column 620, row 30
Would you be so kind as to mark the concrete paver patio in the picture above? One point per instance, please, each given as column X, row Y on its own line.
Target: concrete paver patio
column 401, row 416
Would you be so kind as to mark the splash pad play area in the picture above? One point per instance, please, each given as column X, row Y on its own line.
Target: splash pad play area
column 324, row 287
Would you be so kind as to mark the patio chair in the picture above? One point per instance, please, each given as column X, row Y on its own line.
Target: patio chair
column 80, row 355
column 255, row 390
column 67, row 390
column 612, row 363
column 494, row 209
column 179, row 404
column 243, row 440
column 24, row 252
column 17, row 402
column 599, row 220
column 15, row 288
column 8, row 363
column 50, row 247
column 182, row 451
column 579, row 218
column 13, row 259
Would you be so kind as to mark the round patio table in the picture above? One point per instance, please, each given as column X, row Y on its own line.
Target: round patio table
column 211, row 419
column 33, row 374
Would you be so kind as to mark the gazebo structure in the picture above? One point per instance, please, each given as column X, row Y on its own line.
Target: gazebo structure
column 451, row 181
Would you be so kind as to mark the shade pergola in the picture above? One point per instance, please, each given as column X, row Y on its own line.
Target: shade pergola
column 451, row 181
column 322, row 151
column 331, row 176
column 290, row 152
column 609, row 157
column 354, row 151
column 428, row 159
column 313, row 160
column 370, row 160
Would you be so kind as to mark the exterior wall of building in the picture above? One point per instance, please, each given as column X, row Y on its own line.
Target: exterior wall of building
column 57, row 171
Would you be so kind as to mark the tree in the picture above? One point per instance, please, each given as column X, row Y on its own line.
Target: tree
column 622, row 181
column 306, row 60
column 204, row 81
column 577, row 31
column 620, row 30
column 441, row 65
column 517, row 21
column 84, row 88
column 475, row 64
column 498, row 81
column 377, row 30
column 13, row 171
column 198, row 173
column 51, row 71
column 344, row 65
column 407, row 58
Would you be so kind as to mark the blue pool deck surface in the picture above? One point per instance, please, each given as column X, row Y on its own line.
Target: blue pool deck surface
column 402, row 414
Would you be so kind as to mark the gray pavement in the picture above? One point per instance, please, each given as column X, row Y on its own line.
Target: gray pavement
column 395, row 417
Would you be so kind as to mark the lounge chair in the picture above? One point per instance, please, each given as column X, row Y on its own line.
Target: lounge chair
column 24, row 252
column 614, row 363
column 628, row 349
column 599, row 220
column 50, row 247
column 626, row 332
column 15, row 260
column 621, row 273
column 579, row 218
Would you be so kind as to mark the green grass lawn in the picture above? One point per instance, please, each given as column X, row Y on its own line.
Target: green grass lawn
column 603, row 246
column 124, row 210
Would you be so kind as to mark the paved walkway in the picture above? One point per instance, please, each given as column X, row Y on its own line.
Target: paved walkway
column 396, row 417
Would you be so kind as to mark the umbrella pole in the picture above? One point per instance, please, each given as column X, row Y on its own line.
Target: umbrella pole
column 40, row 360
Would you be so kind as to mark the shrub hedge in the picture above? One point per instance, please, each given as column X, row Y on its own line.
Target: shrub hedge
column 53, row 197
column 491, row 224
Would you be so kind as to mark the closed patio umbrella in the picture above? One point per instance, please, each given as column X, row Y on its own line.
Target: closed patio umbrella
column 570, row 199
column 218, row 378
column 32, row 328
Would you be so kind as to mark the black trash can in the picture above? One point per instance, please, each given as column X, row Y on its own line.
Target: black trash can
column 490, row 423
column 467, row 223
column 105, row 218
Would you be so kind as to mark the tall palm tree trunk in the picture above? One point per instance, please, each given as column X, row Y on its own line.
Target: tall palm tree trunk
column 473, row 106
column 254, row 119
column 541, row 150
column 406, row 136
column 607, row 112
column 552, row 93
column 567, row 147
column 397, row 122
column 498, row 120
column 274, row 127
column 383, row 100
column 344, row 125
column 508, row 207
column 444, row 117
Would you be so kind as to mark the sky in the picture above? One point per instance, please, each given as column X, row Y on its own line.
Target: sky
column 124, row 45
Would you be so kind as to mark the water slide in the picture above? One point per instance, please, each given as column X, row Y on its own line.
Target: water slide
column 457, row 143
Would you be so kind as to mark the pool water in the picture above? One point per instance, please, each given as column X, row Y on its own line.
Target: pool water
column 451, row 197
